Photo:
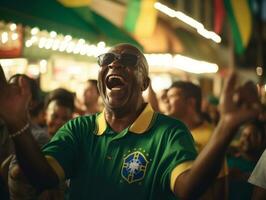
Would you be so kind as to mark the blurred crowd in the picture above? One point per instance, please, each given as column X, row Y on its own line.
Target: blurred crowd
column 183, row 100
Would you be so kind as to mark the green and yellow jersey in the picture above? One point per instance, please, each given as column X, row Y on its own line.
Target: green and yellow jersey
column 141, row 162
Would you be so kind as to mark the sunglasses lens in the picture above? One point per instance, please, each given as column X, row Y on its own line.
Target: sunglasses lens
column 129, row 60
column 125, row 59
column 106, row 59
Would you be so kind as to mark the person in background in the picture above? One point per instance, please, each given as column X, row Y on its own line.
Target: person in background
column 163, row 101
column 59, row 108
column 38, row 115
column 185, row 99
column 210, row 109
column 128, row 149
column 91, row 97
column 18, row 189
column 38, row 132
column 243, row 158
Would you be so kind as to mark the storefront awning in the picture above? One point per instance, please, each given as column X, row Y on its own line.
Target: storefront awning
column 80, row 22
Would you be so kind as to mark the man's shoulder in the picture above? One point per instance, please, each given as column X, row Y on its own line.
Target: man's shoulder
column 164, row 120
column 84, row 119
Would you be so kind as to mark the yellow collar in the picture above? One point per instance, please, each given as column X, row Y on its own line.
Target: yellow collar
column 142, row 123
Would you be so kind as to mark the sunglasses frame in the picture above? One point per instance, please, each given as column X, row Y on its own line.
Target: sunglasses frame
column 117, row 56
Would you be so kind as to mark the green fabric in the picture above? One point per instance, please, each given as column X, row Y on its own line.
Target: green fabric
column 99, row 166
column 110, row 33
column 133, row 10
column 51, row 15
column 234, row 27
column 239, row 188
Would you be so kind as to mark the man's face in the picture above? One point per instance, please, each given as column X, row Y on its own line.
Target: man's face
column 56, row 116
column 90, row 95
column 177, row 103
column 163, row 101
column 121, row 84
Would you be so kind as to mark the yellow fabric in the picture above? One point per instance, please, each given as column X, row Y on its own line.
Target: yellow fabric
column 141, row 124
column 243, row 18
column 144, row 120
column 56, row 167
column 179, row 169
column 201, row 135
column 75, row 3
column 101, row 123
column 147, row 19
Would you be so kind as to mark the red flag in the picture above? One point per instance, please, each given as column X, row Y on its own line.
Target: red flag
column 219, row 14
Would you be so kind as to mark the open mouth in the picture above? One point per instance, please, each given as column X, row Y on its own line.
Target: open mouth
column 115, row 82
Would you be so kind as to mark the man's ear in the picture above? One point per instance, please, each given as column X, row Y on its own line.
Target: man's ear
column 145, row 84
column 192, row 103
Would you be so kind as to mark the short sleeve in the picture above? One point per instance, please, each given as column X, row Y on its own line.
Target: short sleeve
column 180, row 151
column 258, row 176
column 64, row 147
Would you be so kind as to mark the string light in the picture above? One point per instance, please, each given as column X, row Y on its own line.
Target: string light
column 182, row 63
column 189, row 21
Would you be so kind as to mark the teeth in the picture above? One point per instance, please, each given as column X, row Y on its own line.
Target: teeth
column 116, row 89
column 118, row 77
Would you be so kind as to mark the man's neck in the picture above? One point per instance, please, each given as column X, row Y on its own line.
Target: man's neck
column 121, row 120
column 193, row 122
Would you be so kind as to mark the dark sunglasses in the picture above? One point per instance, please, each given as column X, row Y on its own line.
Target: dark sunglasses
column 125, row 59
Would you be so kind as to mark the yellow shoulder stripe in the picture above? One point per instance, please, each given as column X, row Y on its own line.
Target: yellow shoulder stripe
column 179, row 169
column 56, row 167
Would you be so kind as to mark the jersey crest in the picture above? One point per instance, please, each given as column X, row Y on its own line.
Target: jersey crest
column 134, row 167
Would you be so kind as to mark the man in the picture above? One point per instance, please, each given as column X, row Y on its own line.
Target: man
column 184, row 99
column 258, row 179
column 91, row 97
column 127, row 151
column 59, row 108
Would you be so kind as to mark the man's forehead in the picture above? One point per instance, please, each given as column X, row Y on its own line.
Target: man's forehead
column 174, row 90
column 125, row 48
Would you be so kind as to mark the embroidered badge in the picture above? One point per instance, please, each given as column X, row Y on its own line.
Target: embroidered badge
column 134, row 167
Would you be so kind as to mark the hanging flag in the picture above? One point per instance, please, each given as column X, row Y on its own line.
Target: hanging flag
column 141, row 17
column 239, row 14
column 108, row 32
column 219, row 13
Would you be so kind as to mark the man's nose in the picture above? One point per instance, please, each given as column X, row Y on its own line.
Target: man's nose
column 115, row 63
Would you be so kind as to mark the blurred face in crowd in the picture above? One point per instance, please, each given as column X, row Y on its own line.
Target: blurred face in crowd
column 123, row 75
column 90, row 95
column 163, row 101
column 178, row 104
column 251, row 140
column 56, row 116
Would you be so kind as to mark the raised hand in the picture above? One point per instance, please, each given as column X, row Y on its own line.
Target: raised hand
column 239, row 104
column 14, row 101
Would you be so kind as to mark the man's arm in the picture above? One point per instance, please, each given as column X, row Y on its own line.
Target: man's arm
column 33, row 163
column 192, row 183
column 14, row 102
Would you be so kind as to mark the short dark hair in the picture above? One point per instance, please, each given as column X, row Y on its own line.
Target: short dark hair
column 63, row 97
column 190, row 90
